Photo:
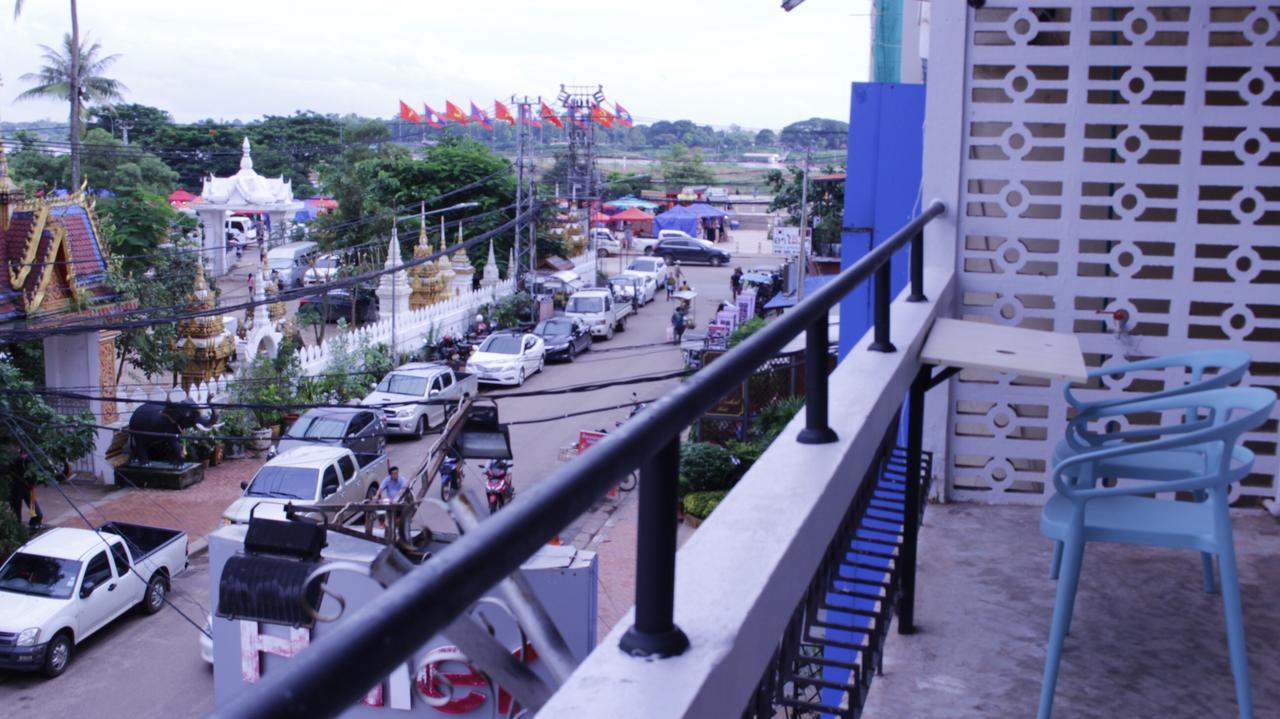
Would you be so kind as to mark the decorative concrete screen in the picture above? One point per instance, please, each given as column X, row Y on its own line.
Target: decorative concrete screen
column 1121, row 181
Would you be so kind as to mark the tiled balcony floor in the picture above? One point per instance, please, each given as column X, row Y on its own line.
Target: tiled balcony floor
column 1146, row 640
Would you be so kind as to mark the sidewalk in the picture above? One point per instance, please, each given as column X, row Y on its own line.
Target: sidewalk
column 196, row 510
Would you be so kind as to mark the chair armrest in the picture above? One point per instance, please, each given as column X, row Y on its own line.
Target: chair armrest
column 1239, row 466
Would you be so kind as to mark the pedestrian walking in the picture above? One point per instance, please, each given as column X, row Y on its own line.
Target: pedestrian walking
column 251, row 283
column 677, row 324
column 671, row 286
column 735, row 282
column 391, row 486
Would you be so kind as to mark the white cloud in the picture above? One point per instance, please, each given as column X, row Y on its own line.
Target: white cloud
column 712, row 61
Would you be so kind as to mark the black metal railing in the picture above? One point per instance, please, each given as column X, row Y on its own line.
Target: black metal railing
column 333, row 674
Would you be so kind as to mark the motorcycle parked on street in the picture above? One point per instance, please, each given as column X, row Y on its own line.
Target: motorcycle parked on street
column 498, row 487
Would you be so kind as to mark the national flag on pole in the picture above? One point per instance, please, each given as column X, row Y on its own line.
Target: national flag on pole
column 500, row 112
column 431, row 117
column 480, row 117
column 527, row 117
column 454, row 113
column 601, row 115
column 408, row 113
column 623, row 116
column 550, row 116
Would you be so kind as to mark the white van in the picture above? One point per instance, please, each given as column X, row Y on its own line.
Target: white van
column 292, row 261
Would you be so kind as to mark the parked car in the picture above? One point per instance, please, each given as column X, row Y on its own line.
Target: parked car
column 306, row 475
column 65, row 584
column 421, row 381
column 362, row 431
column 335, row 305
column 325, row 268
column 291, row 260
column 690, row 250
column 507, row 358
column 597, row 310
column 563, row 337
column 654, row 267
column 606, row 244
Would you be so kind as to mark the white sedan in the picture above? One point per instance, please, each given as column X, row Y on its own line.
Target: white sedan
column 507, row 358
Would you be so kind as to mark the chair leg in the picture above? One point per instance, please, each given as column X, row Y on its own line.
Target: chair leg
column 1057, row 560
column 1206, row 563
column 1073, row 555
column 1235, row 628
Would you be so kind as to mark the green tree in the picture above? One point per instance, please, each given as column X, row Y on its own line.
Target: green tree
column 143, row 121
column 680, row 168
column 33, row 168
column 164, row 280
column 766, row 138
column 108, row 165
column 618, row 184
column 136, row 223
column 826, row 201
column 79, row 66
column 27, row 420
column 815, row 132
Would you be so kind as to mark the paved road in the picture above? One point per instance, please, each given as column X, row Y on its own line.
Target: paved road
column 150, row 667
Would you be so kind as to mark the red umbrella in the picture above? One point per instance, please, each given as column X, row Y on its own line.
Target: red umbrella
column 633, row 214
column 601, row 217
column 181, row 196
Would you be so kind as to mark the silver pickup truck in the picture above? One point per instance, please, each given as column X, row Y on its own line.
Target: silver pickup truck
column 417, row 396
column 67, row 583
column 307, row 475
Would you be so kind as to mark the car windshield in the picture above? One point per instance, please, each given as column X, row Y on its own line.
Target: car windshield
column 502, row 344
column 280, row 263
column 41, row 576
column 404, row 384
column 327, row 263
column 585, row 304
column 312, row 427
column 549, row 328
column 643, row 266
column 284, row 483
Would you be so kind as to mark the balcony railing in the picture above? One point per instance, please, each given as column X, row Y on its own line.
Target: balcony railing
column 814, row 499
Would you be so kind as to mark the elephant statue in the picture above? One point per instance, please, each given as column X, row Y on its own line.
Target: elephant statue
column 155, row 429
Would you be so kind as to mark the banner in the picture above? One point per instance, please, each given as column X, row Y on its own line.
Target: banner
column 746, row 306
column 786, row 241
column 718, row 336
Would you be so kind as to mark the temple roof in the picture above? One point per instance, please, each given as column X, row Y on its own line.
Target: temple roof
column 247, row 190
column 54, row 259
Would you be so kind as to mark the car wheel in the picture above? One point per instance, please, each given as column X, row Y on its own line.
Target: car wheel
column 153, row 600
column 648, row 250
column 572, row 354
column 622, row 325
column 717, row 261
column 542, row 362
column 57, row 655
column 609, row 334
column 421, row 429
column 520, row 379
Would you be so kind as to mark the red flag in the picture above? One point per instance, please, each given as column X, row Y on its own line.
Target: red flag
column 480, row 118
column 500, row 112
column 455, row 113
column 550, row 116
column 601, row 115
column 408, row 113
column 431, row 117
column 623, row 116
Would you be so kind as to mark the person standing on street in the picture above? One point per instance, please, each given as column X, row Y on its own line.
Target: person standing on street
column 677, row 324
column 735, row 282
column 391, row 486
column 671, row 286
column 23, row 491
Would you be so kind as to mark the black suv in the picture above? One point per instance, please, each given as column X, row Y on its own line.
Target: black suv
column 690, row 250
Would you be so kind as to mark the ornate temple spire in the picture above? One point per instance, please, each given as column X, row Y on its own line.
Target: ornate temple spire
column 246, row 159
column 422, row 225
column 489, row 278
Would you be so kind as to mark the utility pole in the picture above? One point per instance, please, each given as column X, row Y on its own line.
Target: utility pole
column 521, row 107
column 804, row 221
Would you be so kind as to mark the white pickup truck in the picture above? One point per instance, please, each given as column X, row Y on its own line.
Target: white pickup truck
column 433, row 384
column 307, row 475
column 66, row 584
column 646, row 244
column 597, row 310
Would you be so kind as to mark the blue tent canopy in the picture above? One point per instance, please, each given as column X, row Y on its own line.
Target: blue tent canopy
column 623, row 203
column 678, row 218
column 702, row 209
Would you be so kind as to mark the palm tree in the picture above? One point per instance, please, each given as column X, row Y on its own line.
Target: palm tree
column 73, row 80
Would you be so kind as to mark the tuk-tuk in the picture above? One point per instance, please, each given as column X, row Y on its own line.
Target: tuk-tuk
column 628, row 288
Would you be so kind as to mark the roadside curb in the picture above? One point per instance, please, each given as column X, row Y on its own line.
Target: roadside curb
column 197, row 546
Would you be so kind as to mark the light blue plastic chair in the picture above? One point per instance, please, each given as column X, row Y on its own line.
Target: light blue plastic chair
column 1082, row 512
column 1227, row 366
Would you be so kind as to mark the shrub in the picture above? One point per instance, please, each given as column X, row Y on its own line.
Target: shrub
column 773, row 418
column 745, row 330
column 12, row 533
column 705, row 467
column 702, row 504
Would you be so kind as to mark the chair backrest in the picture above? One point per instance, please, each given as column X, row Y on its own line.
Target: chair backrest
column 1230, row 364
column 1221, row 417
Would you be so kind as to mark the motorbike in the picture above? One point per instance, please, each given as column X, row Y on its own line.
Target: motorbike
column 498, row 487
column 452, row 352
column 450, row 478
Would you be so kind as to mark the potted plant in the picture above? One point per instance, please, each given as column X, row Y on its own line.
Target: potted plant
column 236, row 427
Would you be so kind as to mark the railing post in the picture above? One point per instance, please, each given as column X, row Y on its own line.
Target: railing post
column 912, row 501
column 655, row 634
column 816, row 430
column 881, row 299
column 917, row 269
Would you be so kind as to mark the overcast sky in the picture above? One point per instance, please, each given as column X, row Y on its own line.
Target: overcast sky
column 712, row 61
